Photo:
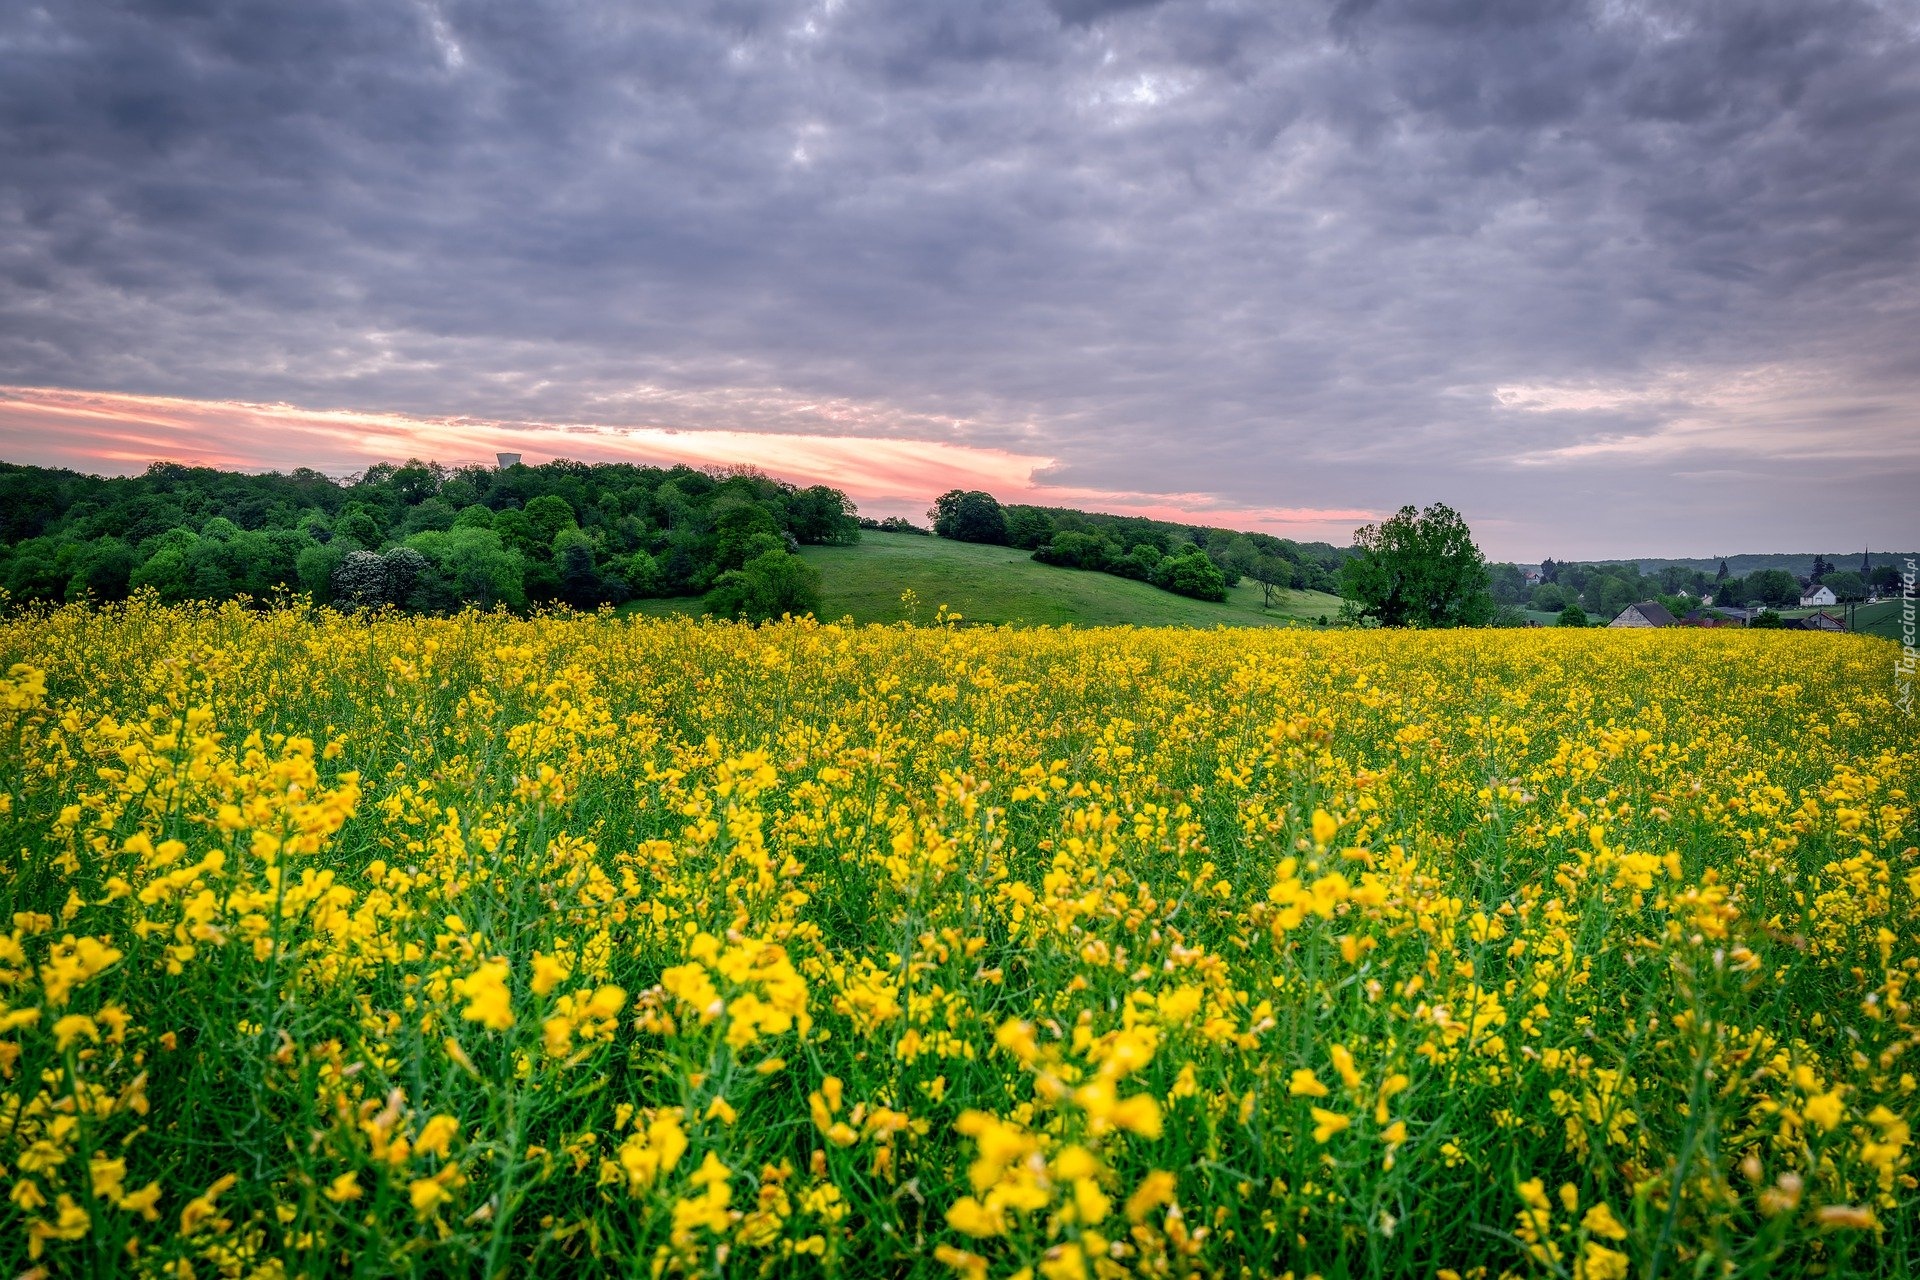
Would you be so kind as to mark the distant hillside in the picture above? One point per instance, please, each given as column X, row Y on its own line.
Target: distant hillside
column 1003, row 585
column 1797, row 563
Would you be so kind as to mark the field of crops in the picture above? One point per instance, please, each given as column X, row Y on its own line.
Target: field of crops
column 478, row 946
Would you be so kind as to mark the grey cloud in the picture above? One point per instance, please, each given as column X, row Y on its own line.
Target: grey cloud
column 1281, row 253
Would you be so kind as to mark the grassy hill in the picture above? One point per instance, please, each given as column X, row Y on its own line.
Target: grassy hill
column 999, row 584
column 1879, row 619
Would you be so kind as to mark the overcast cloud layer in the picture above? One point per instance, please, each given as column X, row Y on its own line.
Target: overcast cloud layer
column 1611, row 278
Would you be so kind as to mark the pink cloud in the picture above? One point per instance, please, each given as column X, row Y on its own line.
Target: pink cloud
column 112, row 433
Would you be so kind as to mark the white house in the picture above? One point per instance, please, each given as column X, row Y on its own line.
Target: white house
column 1817, row 597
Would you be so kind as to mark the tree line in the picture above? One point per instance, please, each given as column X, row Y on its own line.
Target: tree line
column 1188, row 560
column 1605, row 588
column 421, row 536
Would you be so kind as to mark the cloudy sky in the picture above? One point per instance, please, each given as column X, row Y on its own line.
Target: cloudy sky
column 1611, row 278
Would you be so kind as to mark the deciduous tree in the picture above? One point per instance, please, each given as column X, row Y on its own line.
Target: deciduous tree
column 1419, row 569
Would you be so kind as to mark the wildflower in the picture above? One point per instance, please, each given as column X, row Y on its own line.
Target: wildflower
column 1155, row 1189
column 1325, row 827
column 1306, row 1085
column 975, row 1219
column 70, row 1223
column 1064, row 1262
column 651, row 1151
column 1826, row 1110
column 489, row 1003
column 427, row 1195
column 1599, row 1221
column 435, row 1136
column 970, row 1265
column 707, row 1208
column 548, row 973
column 1597, row 1262
column 202, row 1208
column 452, row 1049
column 1327, row 1123
column 74, row 1027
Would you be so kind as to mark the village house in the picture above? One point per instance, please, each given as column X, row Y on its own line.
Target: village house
column 1647, row 613
column 1817, row 597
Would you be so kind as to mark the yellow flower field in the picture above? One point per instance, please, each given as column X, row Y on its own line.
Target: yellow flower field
column 489, row 945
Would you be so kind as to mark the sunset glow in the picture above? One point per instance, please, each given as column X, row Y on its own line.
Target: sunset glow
column 107, row 433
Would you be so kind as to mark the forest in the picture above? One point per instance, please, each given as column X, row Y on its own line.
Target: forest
column 420, row 536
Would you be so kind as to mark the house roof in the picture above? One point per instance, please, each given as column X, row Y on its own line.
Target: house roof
column 1653, row 612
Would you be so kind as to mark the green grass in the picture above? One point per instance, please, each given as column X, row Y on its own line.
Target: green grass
column 1002, row 585
column 1879, row 619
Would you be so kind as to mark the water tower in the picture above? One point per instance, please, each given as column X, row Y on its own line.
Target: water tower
column 508, row 460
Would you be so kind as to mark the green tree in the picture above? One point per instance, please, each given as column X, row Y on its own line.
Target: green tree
column 431, row 514
column 1572, row 616
column 1072, row 550
column 166, row 569
column 1420, row 569
column 483, row 570
column 969, row 516
column 823, row 516
column 766, row 587
column 1775, row 587
column 548, row 515
column 416, row 482
column 1140, row 562
column 104, row 572
column 1275, row 575
column 738, row 524
column 1191, row 574
column 1028, row 527
column 1508, row 584
column 357, row 523
column 38, row 569
column 517, row 532
column 315, row 565
column 638, row 573
column 1608, row 593
column 1846, row 584
column 672, row 506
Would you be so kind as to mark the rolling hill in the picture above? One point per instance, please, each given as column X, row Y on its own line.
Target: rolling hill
column 1001, row 585
column 1881, row 618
